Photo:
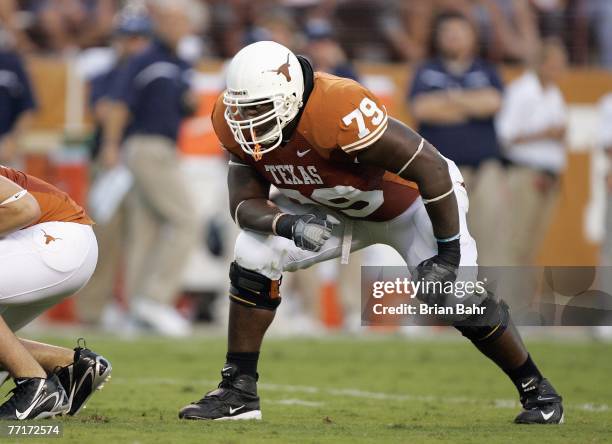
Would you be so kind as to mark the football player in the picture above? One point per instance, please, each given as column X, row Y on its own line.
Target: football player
column 48, row 251
column 327, row 144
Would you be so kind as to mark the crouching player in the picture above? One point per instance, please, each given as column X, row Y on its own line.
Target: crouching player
column 329, row 147
column 48, row 251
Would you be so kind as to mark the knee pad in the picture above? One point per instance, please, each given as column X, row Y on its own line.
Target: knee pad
column 490, row 325
column 253, row 289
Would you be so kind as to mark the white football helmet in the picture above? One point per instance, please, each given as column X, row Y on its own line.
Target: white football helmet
column 264, row 92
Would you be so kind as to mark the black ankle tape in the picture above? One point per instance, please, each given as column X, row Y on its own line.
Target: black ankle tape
column 246, row 362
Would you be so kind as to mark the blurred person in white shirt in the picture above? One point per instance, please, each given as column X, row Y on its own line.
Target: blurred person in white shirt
column 532, row 126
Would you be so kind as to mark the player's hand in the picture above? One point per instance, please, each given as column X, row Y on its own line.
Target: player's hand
column 308, row 231
column 440, row 268
column 435, row 270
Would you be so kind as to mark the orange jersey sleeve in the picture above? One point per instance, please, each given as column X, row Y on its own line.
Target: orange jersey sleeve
column 55, row 205
column 223, row 132
column 343, row 114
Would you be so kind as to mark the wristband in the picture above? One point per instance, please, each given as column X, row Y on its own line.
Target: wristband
column 449, row 239
column 274, row 222
column 450, row 252
column 284, row 225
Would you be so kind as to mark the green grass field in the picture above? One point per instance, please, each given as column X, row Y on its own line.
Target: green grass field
column 341, row 390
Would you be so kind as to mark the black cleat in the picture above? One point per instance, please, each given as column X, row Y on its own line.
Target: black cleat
column 83, row 377
column 541, row 404
column 35, row 398
column 235, row 398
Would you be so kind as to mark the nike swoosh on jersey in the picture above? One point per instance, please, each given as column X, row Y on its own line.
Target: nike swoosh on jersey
column 302, row 153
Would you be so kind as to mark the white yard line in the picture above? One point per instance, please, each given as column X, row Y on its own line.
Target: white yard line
column 300, row 402
column 352, row 393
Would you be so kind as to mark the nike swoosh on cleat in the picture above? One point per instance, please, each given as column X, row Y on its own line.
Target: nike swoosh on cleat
column 35, row 400
column 527, row 383
column 547, row 416
column 232, row 411
column 545, row 399
column 90, row 372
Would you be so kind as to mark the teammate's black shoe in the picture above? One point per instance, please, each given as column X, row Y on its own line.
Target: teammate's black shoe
column 541, row 404
column 235, row 398
column 83, row 377
column 35, row 398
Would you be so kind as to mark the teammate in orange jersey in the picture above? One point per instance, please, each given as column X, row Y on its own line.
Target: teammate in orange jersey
column 48, row 251
column 354, row 177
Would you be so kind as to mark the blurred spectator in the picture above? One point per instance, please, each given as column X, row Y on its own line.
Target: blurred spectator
column 130, row 37
column 454, row 98
column 326, row 54
column 277, row 26
column 551, row 16
column 16, row 104
column 13, row 25
column 599, row 13
column 61, row 25
column 151, row 97
column 532, row 126
column 376, row 30
column 507, row 29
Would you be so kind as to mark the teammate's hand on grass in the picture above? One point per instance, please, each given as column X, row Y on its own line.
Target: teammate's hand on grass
column 308, row 231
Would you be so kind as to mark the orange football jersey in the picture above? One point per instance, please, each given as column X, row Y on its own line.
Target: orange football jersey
column 319, row 165
column 55, row 205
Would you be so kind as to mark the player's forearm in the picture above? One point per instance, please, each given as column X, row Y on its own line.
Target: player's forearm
column 248, row 198
column 256, row 214
column 437, row 191
column 19, row 214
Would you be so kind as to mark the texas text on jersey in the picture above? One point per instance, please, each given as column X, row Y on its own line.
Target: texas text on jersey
column 319, row 165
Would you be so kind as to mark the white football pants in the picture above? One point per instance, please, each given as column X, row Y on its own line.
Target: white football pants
column 41, row 265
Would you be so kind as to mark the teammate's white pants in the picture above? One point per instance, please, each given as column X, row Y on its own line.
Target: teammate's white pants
column 41, row 265
column 410, row 234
